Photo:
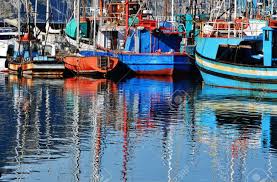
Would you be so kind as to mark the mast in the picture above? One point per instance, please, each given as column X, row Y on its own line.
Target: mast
column 27, row 5
column 235, row 9
column 172, row 10
column 165, row 7
column 94, row 24
column 47, row 16
column 101, row 7
column 194, row 18
column 156, row 14
column 18, row 17
column 272, row 7
column 78, row 22
column 35, row 18
column 127, row 14
column 83, row 8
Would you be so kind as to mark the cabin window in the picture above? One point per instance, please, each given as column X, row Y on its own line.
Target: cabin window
column 6, row 37
column 266, row 35
column 48, row 50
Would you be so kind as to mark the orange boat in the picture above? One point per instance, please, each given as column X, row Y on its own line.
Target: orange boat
column 90, row 64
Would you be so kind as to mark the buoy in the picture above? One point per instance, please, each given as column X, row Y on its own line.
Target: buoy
column 25, row 37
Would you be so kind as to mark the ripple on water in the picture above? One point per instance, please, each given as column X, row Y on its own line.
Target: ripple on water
column 136, row 130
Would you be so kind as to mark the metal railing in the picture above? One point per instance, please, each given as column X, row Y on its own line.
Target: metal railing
column 229, row 29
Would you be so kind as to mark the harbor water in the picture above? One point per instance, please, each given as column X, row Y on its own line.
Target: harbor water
column 138, row 129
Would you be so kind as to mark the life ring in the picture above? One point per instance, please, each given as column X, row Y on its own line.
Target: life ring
column 241, row 23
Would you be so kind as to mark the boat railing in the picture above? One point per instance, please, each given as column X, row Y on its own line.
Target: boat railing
column 229, row 29
column 162, row 18
column 89, row 11
column 111, row 20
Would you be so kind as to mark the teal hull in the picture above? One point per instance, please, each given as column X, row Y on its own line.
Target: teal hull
column 237, row 76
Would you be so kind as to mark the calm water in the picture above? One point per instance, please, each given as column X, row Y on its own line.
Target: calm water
column 142, row 129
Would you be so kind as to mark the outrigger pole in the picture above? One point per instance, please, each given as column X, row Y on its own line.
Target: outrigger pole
column 127, row 15
column 78, row 23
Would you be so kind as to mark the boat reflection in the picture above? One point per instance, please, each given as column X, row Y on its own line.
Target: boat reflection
column 246, row 121
column 88, row 129
column 86, row 85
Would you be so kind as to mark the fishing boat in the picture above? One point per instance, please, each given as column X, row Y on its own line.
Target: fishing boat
column 100, row 28
column 239, row 53
column 153, row 46
column 83, row 64
column 90, row 65
column 32, row 58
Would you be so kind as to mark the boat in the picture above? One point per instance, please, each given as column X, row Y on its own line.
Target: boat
column 239, row 54
column 100, row 29
column 31, row 58
column 90, row 65
column 87, row 60
column 28, row 56
column 153, row 46
column 7, row 34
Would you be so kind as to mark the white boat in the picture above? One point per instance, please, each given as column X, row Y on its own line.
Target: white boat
column 7, row 35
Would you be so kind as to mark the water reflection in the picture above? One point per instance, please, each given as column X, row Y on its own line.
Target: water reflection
column 244, row 122
column 142, row 129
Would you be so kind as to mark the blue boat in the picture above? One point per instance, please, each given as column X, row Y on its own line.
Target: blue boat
column 239, row 61
column 156, row 64
column 154, row 48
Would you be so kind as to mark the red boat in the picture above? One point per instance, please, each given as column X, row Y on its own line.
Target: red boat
column 90, row 64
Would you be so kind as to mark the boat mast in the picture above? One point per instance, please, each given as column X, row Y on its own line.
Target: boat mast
column 94, row 24
column 172, row 10
column 235, row 9
column 272, row 7
column 27, row 5
column 127, row 14
column 35, row 18
column 18, row 17
column 78, row 22
column 47, row 16
column 84, row 9
column 101, row 7
column 165, row 7
column 156, row 8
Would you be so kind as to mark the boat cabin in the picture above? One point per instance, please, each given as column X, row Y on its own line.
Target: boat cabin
column 253, row 51
column 270, row 46
column 7, row 33
column 30, row 50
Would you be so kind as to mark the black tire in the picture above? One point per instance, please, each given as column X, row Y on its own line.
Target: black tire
column 20, row 72
column 6, row 63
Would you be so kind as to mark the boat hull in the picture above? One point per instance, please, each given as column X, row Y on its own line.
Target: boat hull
column 37, row 68
column 90, row 64
column 237, row 76
column 3, row 54
column 156, row 64
column 3, row 65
